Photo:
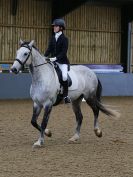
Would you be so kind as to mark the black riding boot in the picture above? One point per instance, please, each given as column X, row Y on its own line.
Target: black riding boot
column 65, row 92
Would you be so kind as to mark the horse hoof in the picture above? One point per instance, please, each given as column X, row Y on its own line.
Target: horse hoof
column 48, row 133
column 74, row 139
column 38, row 144
column 98, row 132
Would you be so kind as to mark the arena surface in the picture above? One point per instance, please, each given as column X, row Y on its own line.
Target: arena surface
column 109, row 156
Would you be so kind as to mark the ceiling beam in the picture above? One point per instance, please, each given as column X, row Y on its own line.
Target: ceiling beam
column 63, row 7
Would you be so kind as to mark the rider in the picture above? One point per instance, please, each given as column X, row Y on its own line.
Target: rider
column 58, row 46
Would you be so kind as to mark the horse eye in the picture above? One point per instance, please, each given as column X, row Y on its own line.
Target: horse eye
column 25, row 54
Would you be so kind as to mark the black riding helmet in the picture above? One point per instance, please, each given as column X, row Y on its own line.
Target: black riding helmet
column 59, row 22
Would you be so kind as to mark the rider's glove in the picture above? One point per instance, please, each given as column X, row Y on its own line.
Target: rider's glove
column 53, row 59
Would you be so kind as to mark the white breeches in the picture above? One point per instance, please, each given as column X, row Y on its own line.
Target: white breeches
column 64, row 69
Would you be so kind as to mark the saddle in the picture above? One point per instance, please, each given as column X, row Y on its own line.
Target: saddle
column 59, row 74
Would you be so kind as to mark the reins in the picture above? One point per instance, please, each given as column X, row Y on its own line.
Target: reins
column 40, row 64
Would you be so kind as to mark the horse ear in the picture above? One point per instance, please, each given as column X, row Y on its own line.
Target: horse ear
column 21, row 42
column 31, row 43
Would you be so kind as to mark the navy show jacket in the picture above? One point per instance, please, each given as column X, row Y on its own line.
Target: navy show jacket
column 58, row 49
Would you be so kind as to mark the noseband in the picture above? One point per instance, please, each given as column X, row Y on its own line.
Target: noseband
column 22, row 64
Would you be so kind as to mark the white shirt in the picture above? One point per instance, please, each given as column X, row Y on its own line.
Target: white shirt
column 57, row 35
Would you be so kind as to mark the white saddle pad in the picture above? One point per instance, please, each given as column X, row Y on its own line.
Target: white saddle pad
column 74, row 79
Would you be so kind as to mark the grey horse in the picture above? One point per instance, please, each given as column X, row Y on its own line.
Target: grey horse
column 45, row 88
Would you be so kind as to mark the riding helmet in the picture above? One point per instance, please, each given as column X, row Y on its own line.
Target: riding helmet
column 59, row 22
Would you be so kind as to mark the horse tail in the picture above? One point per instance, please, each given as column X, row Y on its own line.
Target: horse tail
column 103, row 108
column 99, row 90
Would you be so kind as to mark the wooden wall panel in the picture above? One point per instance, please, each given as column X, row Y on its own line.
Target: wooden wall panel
column 32, row 21
column 94, row 34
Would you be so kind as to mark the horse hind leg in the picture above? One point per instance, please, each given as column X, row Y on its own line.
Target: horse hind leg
column 79, row 117
column 92, row 103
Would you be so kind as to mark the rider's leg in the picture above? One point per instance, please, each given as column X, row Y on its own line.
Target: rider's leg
column 64, row 69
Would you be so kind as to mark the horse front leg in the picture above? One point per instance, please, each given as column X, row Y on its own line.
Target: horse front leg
column 36, row 111
column 43, row 130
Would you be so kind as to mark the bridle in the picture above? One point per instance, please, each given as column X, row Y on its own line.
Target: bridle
column 30, row 48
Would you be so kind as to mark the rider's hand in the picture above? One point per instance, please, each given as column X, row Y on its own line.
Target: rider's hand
column 53, row 59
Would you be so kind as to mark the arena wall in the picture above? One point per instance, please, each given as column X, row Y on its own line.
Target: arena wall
column 94, row 34
column 18, row 86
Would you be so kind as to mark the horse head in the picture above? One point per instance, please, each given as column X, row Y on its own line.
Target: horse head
column 23, row 56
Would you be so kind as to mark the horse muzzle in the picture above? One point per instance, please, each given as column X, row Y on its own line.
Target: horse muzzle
column 14, row 70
